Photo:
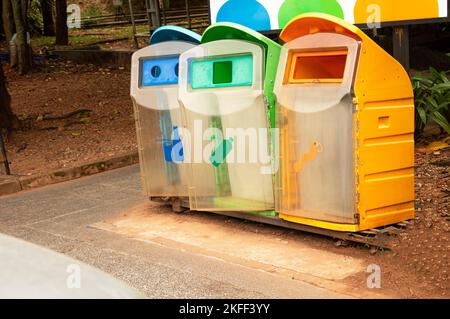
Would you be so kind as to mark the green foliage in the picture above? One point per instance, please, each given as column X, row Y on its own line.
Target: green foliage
column 80, row 38
column 91, row 11
column 35, row 23
column 432, row 99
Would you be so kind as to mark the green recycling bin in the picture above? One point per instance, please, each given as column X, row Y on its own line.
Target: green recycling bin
column 225, row 92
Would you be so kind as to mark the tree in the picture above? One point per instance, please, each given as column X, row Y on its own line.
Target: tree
column 23, row 48
column 62, row 33
column 7, row 117
column 24, row 4
column 47, row 17
column 8, row 20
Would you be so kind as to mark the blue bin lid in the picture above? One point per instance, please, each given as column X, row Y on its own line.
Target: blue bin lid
column 174, row 33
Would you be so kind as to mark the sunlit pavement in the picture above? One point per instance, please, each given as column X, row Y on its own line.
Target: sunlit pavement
column 60, row 217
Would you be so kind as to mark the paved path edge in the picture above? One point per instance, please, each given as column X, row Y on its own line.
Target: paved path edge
column 13, row 184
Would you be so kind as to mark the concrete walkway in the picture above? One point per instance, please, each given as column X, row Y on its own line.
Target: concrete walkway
column 60, row 217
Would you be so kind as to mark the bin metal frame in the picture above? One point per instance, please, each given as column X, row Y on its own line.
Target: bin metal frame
column 382, row 117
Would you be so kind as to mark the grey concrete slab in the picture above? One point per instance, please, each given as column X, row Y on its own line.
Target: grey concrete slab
column 91, row 192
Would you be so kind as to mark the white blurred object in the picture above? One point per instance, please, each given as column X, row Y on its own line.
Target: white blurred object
column 29, row 271
column 13, row 59
column 73, row 16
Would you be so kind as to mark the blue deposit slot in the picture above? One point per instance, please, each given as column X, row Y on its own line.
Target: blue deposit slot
column 163, row 71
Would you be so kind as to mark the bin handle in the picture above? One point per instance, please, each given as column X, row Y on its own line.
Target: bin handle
column 309, row 156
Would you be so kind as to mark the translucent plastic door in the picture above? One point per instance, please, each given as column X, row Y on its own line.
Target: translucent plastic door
column 221, row 92
column 316, row 179
column 154, row 90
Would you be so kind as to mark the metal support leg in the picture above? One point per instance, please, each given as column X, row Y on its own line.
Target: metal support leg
column 401, row 45
column 188, row 14
column 136, row 44
column 153, row 14
column 4, row 154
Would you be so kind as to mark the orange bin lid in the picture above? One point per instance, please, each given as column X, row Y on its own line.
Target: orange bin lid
column 310, row 23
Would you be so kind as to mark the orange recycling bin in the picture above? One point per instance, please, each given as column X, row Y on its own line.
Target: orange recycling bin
column 345, row 111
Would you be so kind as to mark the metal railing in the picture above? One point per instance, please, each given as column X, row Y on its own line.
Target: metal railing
column 192, row 17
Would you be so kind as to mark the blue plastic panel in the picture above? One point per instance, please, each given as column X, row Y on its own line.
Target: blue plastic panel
column 163, row 71
column 173, row 147
column 174, row 33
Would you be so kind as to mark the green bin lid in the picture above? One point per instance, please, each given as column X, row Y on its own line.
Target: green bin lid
column 233, row 31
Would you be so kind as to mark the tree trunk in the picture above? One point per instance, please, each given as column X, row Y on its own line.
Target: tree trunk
column 47, row 17
column 7, row 117
column 24, row 4
column 23, row 48
column 62, row 33
column 8, row 20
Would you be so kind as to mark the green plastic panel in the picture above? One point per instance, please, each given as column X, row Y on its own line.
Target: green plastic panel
column 228, row 30
column 221, row 72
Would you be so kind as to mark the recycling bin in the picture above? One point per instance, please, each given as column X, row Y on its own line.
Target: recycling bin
column 154, row 91
column 226, row 95
column 345, row 111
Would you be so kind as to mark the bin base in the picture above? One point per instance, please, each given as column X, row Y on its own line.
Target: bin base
column 378, row 237
column 373, row 238
column 230, row 203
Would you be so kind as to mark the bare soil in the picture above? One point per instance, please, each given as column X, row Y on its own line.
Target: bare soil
column 97, row 116
column 417, row 267
column 123, row 44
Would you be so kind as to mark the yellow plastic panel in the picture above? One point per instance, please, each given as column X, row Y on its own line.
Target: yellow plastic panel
column 382, row 120
column 320, row 224
column 388, row 215
column 387, row 154
column 387, row 188
column 385, row 138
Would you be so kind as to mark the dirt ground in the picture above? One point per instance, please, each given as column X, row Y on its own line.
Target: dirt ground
column 419, row 266
column 74, row 114
column 96, row 116
column 124, row 44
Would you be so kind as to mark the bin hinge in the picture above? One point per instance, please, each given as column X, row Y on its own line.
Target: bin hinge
column 266, row 102
column 355, row 102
